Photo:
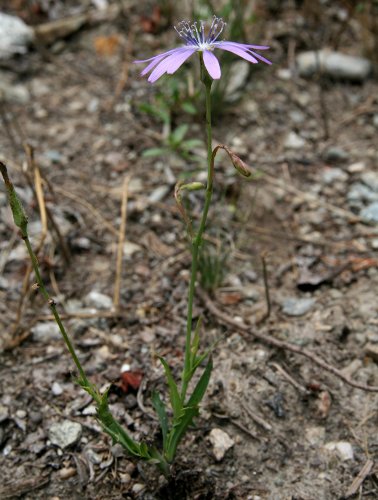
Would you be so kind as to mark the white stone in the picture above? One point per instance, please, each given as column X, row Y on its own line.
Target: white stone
column 65, row 433
column 294, row 141
column 98, row 300
column 343, row 449
column 45, row 332
column 333, row 64
column 56, row 389
column 221, row 442
column 15, row 36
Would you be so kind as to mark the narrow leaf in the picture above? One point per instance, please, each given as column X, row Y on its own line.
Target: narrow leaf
column 173, row 390
column 151, row 152
column 201, row 386
column 179, row 430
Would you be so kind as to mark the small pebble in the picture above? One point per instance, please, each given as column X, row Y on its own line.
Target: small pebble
column 137, row 488
column 65, row 433
column 343, row 449
column 21, row 414
column 67, row 472
column 221, row 442
column 56, row 389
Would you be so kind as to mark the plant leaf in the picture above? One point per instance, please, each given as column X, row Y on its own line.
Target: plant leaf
column 200, row 389
column 162, row 414
column 178, row 430
column 173, row 390
column 151, row 152
column 178, row 134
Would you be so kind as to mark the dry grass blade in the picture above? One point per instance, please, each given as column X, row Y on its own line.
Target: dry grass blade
column 121, row 242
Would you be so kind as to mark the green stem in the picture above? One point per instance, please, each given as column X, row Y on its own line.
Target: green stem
column 197, row 240
column 66, row 338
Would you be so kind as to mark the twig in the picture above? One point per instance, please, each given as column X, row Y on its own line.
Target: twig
column 239, row 426
column 266, row 288
column 289, row 378
column 121, row 241
column 357, row 482
column 260, row 421
column 267, row 339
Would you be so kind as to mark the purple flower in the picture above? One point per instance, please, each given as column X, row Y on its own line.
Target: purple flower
column 197, row 41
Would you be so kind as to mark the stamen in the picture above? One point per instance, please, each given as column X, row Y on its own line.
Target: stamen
column 194, row 34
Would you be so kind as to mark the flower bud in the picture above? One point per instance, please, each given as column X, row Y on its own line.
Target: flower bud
column 193, row 186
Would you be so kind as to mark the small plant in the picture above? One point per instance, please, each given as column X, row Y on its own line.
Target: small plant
column 212, row 266
column 175, row 417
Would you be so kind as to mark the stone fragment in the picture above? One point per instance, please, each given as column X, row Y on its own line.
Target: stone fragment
column 343, row 449
column 15, row 36
column 56, row 389
column 335, row 154
column 370, row 213
column 333, row 64
column 294, row 141
column 98, row 300
column 221, row 442
column 65, row 433
column 331, row 175
column 297, row 307
column 45, row 332
column 370, row 178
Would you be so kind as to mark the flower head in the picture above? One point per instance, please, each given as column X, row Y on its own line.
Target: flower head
column 197, row 39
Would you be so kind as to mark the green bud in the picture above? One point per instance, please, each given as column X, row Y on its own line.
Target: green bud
column 193, row 186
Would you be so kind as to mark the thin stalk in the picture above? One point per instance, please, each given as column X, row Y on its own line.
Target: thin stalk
column 52, row 305
column 197, row 240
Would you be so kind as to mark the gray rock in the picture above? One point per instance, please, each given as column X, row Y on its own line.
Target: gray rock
column 65, row 433
column 238, row 78
column 335, row 154
column 331, row 175
column 297, row 307
column 371, row 180
column 360, row 192
column 98, row 300
column 333, row 64
column 370, row 213
column 15, row 36
column 375, row 120
column 45, row 332
column 294, row 141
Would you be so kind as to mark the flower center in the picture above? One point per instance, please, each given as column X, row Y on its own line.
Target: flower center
column 194, row 34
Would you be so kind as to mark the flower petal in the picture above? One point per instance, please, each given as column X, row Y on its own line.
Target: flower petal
column 212, row 64
column 172, row 61
column 180, row 59
column 238, row 51
column 260, row 57
column 155, row 60
column 158, row 56
column 244, row 45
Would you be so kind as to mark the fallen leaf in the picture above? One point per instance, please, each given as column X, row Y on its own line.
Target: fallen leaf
column 131, row 379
